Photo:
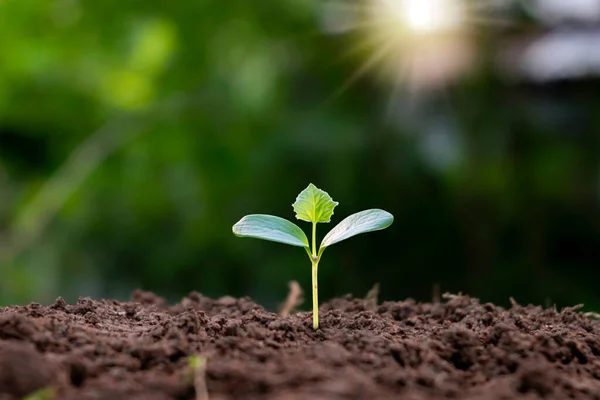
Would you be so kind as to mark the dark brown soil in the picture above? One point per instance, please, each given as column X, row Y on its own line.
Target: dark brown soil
column 459, row 349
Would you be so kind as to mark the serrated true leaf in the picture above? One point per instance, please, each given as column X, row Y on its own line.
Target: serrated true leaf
column 269, row 227
column 314, row 205
column 361, row 222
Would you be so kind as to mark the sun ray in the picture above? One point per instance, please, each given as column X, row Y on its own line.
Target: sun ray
column 414, row 45
column 360, row 72
column 364, row 45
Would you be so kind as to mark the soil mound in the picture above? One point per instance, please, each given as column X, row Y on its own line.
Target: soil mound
column 458, row 349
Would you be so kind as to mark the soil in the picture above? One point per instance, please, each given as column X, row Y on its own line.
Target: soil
column 456, row 349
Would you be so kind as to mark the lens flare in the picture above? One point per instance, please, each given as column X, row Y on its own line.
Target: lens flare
column 428, row 15
column 414, row 44
column 421, row 15
column 427, row 40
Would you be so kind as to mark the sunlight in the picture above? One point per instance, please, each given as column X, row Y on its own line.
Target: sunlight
column 432, row 15
column 412, row 44
column 426, row 40
column 422, row 16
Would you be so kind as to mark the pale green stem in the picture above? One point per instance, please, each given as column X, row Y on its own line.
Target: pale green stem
column 315, row 290
column 314, row 240
column 315, row 286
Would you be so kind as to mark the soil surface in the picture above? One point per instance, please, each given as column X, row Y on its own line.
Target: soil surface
column 457, row 349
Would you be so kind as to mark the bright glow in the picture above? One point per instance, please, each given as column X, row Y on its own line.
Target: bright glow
column 423, row 42
column 425, row 15
column 420, row 14
column 414, row 44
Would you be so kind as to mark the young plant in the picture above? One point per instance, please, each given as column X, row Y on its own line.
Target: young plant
column 197, row 375
column 47, row 393
column 315, row 206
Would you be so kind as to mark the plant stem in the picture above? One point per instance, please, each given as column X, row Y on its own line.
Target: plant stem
column 315, row 290
column 315, row 285
column 314, row 240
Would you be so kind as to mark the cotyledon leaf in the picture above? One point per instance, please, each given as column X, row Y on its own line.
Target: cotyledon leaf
column 314, row 205
column 269, row 227
column 361, row 222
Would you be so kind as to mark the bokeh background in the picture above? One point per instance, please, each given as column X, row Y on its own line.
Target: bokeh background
column 134, row 134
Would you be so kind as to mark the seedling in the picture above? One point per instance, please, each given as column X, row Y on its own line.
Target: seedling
column 42, row 394
column 312, row 205
column 197, row 374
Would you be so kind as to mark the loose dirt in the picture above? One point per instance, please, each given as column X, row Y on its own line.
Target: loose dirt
column 457, row 349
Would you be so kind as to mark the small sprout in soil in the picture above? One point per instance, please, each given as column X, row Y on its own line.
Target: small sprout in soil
column 312, row 205
column 197, row 371
column 42, row 394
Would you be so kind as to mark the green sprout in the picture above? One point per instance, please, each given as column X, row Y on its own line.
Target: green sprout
column 312, row 205
column 197, row 375
column 46, row 393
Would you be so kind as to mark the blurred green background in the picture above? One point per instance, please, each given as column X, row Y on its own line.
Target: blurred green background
column 134, row 134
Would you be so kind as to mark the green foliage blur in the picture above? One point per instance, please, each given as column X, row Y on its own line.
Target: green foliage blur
column 134, row 134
